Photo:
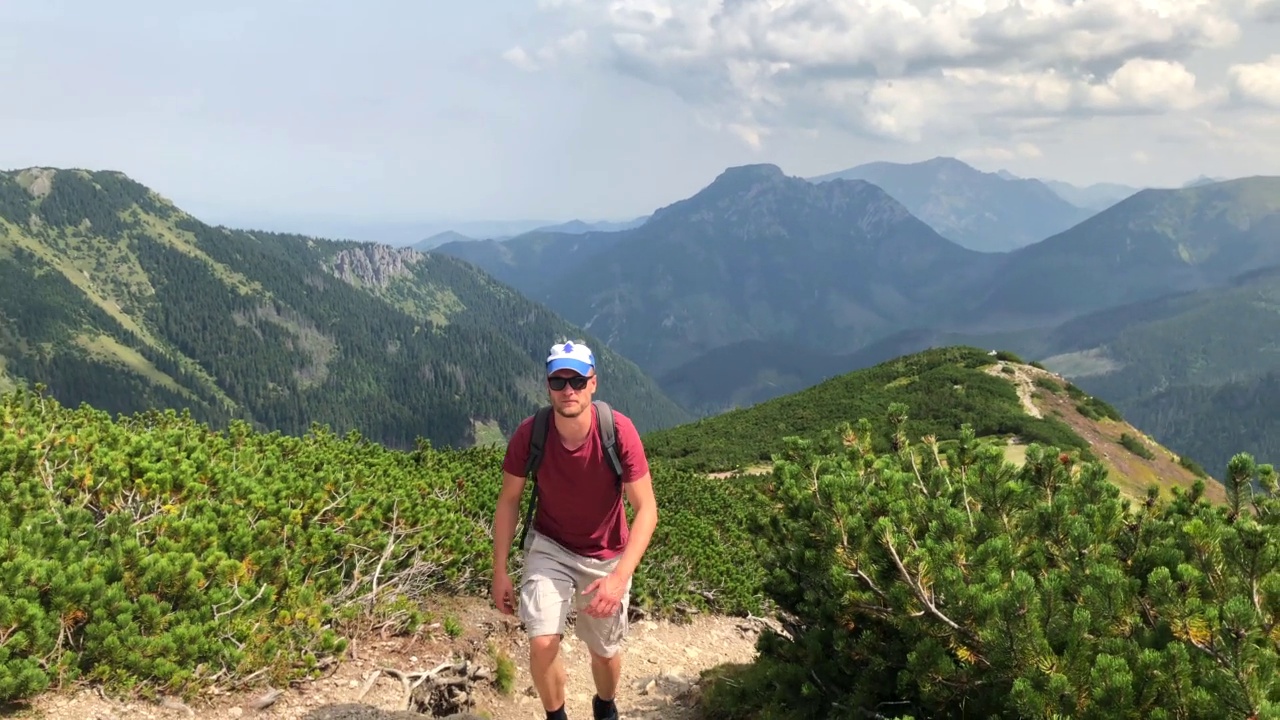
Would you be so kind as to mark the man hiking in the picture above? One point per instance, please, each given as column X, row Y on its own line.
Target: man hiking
column 579, row 551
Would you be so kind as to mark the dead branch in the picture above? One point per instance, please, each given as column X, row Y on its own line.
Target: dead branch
column 920, row 593
column 243, row 602
column 316, row 518
column 172, row 703
column 267, row 699
column 368, row 684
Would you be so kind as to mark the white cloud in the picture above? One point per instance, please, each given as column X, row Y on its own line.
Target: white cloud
column 1257, row 83
column 568, row 45
column 520, row 58
column 1019, row 151
column 904, row 70
column 1264, row 10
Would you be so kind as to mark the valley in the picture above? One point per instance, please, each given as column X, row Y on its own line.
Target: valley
column 695, row 305
column 703, row 298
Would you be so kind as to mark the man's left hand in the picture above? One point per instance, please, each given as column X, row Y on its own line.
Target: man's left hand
column 608, row 596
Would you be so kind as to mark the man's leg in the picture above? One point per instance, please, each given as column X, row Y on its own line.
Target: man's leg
column 607, row 672
column 602, row 636
column 546, row 594
column 547, row 670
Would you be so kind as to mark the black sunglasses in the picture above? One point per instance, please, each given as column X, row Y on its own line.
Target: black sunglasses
column 577, row 382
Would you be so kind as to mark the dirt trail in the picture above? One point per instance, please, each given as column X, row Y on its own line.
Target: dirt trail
column 1022, row 382
column 660, row 674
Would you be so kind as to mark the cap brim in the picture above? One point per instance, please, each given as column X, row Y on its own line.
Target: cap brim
column 569, row 364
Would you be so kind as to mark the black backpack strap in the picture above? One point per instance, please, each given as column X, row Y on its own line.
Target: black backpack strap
column 537, row 443
column 609, row 438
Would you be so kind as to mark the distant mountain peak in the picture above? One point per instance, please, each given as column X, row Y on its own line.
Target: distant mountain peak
column 978, row 210
column 732, row 184
column 946, row 161
column 754, row 172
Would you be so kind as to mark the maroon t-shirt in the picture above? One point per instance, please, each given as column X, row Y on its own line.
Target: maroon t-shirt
column 579, row 505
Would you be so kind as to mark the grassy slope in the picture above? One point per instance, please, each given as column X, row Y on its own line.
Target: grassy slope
column 1054, row 396
column 106, row 270
column 942, row 389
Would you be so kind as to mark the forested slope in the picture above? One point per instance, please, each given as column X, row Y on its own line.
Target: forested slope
column 114, row 297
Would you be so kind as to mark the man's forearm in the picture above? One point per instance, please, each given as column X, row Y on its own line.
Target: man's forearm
column 504, row 531
column 642, row 527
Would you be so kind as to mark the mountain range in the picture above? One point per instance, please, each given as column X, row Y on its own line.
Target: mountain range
column 112, row 296
column 977, row 210
column 762, row 284
column 759, row 285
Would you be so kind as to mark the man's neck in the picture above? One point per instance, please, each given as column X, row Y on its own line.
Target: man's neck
column 573, row 430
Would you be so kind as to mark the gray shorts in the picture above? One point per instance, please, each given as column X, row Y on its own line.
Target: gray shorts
column 552, row 582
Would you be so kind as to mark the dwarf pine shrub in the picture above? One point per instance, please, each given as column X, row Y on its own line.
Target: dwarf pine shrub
column 924, row 584
column 149, row 552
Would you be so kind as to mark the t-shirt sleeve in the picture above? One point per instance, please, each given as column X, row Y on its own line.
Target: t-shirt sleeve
column 518, row 449
column 630, row 450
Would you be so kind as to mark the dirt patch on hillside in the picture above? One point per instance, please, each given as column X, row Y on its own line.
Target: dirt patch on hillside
column 759, row 469
column 1130, row 471
column 1021, row 382
column 661, row 671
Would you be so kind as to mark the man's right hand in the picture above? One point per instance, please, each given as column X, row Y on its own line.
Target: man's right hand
column 504, row 593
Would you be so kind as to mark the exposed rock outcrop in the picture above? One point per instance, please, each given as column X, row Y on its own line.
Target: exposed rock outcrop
column 373, row 264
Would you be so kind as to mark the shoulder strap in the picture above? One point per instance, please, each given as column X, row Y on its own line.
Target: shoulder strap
column 537, row 443
column 608, row 437
column 537, row 440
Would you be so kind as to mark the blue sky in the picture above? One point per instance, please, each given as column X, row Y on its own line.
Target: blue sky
column 326, row 116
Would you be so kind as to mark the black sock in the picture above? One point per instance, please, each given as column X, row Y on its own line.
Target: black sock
column 557, row 714
column 603, row 708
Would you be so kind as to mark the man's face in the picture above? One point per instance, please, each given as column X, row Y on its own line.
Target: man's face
column 569, row 400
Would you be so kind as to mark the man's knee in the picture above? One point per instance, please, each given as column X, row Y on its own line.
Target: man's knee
column 543, row 647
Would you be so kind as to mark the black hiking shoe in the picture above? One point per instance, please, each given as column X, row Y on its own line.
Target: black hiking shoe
column 603, row 709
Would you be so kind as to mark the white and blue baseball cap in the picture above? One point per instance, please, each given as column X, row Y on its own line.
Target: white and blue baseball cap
column 571, row 356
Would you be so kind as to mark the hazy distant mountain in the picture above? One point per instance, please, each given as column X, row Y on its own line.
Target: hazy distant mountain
column 439, row 239
column 530, row 261
column 758, row 255
column 1098, row 196
column 578, row 227
column 979, row 210
column 1154, row 243
column 1202, row 180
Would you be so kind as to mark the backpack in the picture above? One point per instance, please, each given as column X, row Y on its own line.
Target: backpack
column 537, row 441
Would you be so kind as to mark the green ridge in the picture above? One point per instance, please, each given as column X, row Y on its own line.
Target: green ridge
column 942, row 388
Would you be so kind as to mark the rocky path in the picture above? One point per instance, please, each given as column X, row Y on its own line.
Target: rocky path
column 660, row 676
column 1023, row 382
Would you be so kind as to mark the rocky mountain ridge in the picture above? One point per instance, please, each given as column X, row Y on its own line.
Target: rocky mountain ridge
column 374, row 265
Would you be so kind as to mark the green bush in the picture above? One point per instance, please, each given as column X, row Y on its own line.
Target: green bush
column 1193, row 466
column 1048, row 383
column 915, row 584
column 1136, row 446
column 151, row 553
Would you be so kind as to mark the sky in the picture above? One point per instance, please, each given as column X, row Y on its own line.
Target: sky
column 400, row 118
